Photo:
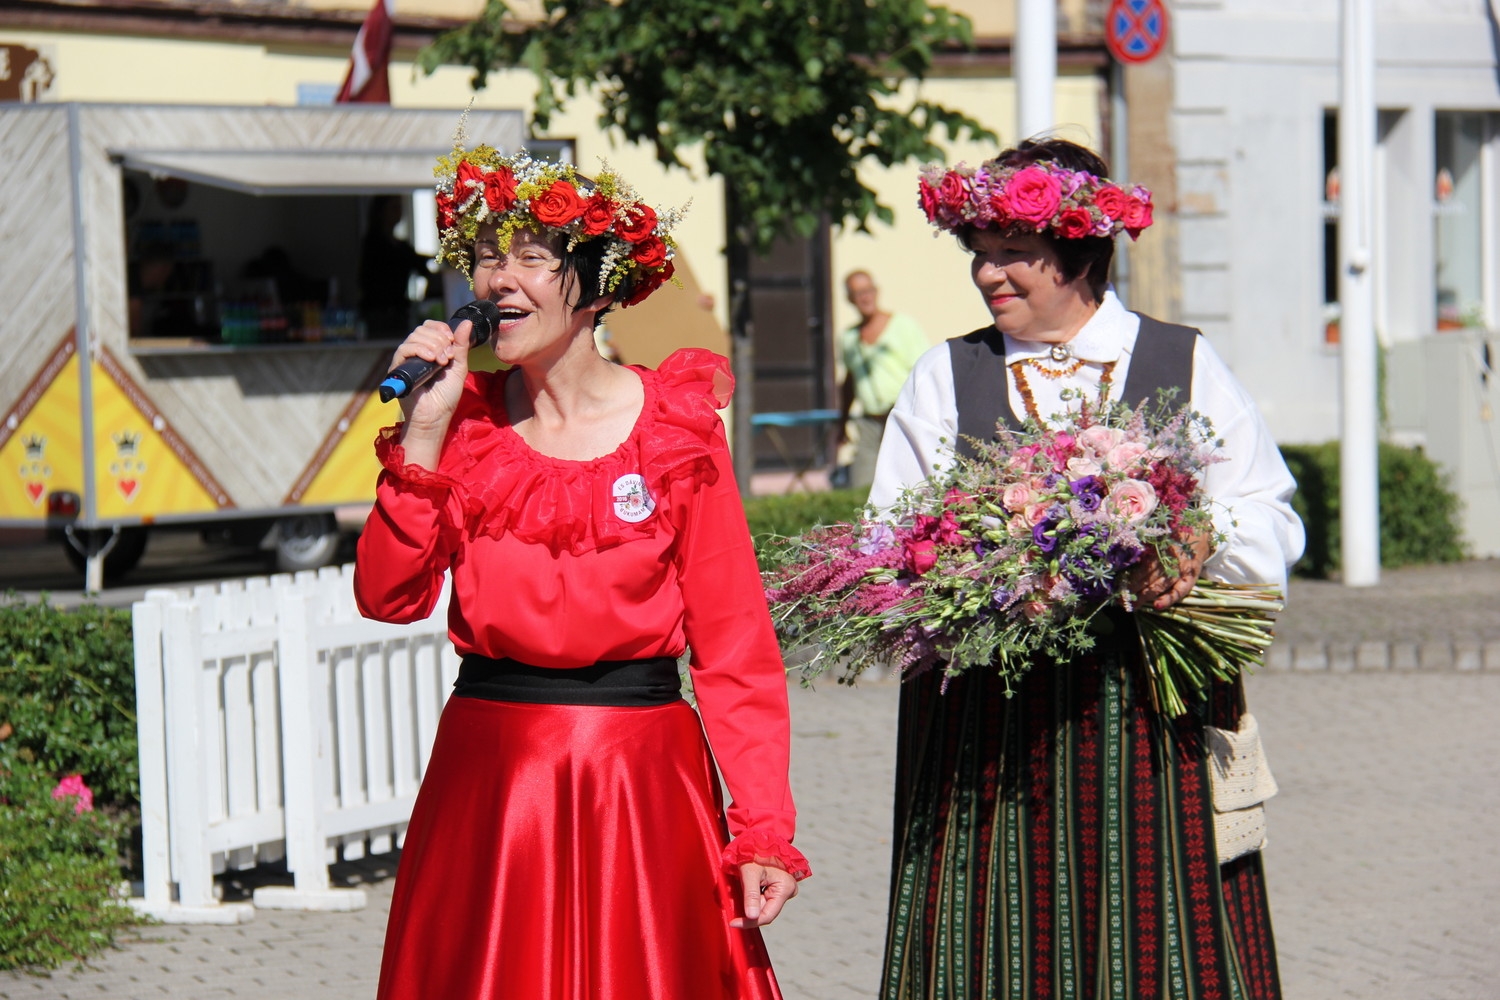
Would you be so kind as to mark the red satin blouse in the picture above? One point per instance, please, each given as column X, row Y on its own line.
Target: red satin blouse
column 640, row 553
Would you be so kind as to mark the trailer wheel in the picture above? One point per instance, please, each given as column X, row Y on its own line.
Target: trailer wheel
column 310, row 541
column 118, row 561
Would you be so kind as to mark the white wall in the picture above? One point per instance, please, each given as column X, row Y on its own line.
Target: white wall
column 1252, row 80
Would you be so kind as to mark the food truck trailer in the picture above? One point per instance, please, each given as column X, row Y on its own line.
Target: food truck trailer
column 185, row 341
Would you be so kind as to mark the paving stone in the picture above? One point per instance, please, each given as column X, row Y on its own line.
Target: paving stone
column 1373, row 655
column 1309, row 656
column 1436, row 655
column 1377, row 866
column 1341, row 657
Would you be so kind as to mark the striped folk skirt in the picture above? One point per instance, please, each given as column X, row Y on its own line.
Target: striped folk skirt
column 1059, row 843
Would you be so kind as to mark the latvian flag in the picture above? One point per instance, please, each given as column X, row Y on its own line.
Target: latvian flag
column 367, row 82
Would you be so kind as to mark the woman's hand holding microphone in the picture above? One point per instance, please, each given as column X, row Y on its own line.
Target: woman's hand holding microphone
column 427, row 409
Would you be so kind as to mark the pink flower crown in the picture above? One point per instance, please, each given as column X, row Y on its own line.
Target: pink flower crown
column 1041, row 197
column 482, row 186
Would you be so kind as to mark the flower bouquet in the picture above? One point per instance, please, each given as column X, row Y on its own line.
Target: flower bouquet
column 1012, row 556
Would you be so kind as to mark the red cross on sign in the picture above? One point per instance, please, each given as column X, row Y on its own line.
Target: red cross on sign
column 1136, row 30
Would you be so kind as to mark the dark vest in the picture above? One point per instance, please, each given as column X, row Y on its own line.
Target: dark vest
column 1161, row 359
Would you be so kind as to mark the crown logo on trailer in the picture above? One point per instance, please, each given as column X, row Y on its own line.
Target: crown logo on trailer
column 34, row 470
column 127, row 443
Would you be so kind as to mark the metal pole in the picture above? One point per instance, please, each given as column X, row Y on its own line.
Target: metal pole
column 1359, row 478
column 1119, row 162
column 1035, row 66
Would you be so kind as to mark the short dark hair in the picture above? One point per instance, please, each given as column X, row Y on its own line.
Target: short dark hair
column 580, row 271
column 1088, row 255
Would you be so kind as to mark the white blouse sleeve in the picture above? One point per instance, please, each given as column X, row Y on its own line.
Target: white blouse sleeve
column 920, row 432
column 1252, row 490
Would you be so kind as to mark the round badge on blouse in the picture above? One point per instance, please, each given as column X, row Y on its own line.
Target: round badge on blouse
column 632, row 501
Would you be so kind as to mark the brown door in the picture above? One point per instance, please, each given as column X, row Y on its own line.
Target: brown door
column 792, row 313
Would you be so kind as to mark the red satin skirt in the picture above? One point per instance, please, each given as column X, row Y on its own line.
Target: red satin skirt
column 563, row 852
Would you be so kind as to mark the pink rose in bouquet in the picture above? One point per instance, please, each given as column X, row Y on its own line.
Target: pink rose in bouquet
column 1134, row 499
column 1016, row 497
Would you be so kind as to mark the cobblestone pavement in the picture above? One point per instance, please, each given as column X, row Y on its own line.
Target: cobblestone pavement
column 1383, row 865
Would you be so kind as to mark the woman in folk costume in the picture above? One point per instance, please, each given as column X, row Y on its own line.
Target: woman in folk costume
column 569, row 840
column 1061, row 842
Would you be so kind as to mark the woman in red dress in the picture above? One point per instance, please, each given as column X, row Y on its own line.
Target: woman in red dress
column 569, row 840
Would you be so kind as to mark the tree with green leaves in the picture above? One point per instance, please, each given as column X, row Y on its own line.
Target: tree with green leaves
column 786, row 97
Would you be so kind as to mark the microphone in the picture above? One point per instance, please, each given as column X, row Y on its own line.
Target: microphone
column 414, row 371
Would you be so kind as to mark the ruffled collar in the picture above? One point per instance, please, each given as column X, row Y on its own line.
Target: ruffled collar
column 577, row 506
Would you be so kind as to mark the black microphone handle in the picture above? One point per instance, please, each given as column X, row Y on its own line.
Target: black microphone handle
column 414, row 372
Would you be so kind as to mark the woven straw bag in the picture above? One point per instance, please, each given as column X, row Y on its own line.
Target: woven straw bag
column 1241, row 781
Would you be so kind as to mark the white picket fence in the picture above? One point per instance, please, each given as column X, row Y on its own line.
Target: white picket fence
column 275, row 722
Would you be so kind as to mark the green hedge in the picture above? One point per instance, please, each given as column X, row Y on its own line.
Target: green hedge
column 794, row 513
column 1418, row 509
column 67, row 706
column 60, row 894
column 67, row 692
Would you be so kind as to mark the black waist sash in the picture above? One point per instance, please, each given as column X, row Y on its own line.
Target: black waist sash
column 620, row 683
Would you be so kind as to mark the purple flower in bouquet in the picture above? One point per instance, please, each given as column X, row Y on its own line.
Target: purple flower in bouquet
column 1088, row 486
column 1089, row 578
column 1088, row 492
column 1045, row 535
column 878, row 537
column 1122, row 554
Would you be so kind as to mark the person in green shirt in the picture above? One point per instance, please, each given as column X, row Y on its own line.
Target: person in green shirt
column 878, row 353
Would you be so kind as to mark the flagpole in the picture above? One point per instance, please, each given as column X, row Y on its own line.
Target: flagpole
column 1359, row 475
column 1035, row 65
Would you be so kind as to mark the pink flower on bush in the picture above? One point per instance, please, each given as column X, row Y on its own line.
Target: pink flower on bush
column 1033, row 195
column 1133, row 499
column 73, row 787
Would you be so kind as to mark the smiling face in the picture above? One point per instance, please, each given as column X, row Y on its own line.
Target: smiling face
column 534, row 294
column 1022, row 282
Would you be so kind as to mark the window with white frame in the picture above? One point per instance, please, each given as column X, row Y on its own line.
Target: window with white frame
column 1459, row 206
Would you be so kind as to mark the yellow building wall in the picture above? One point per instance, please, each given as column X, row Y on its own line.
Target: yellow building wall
column 925, row 276
column 919, row 275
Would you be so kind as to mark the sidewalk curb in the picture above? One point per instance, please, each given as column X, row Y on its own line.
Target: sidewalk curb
column 1336, row 656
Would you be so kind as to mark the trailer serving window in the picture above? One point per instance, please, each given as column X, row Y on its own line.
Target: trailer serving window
column 234, row 250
